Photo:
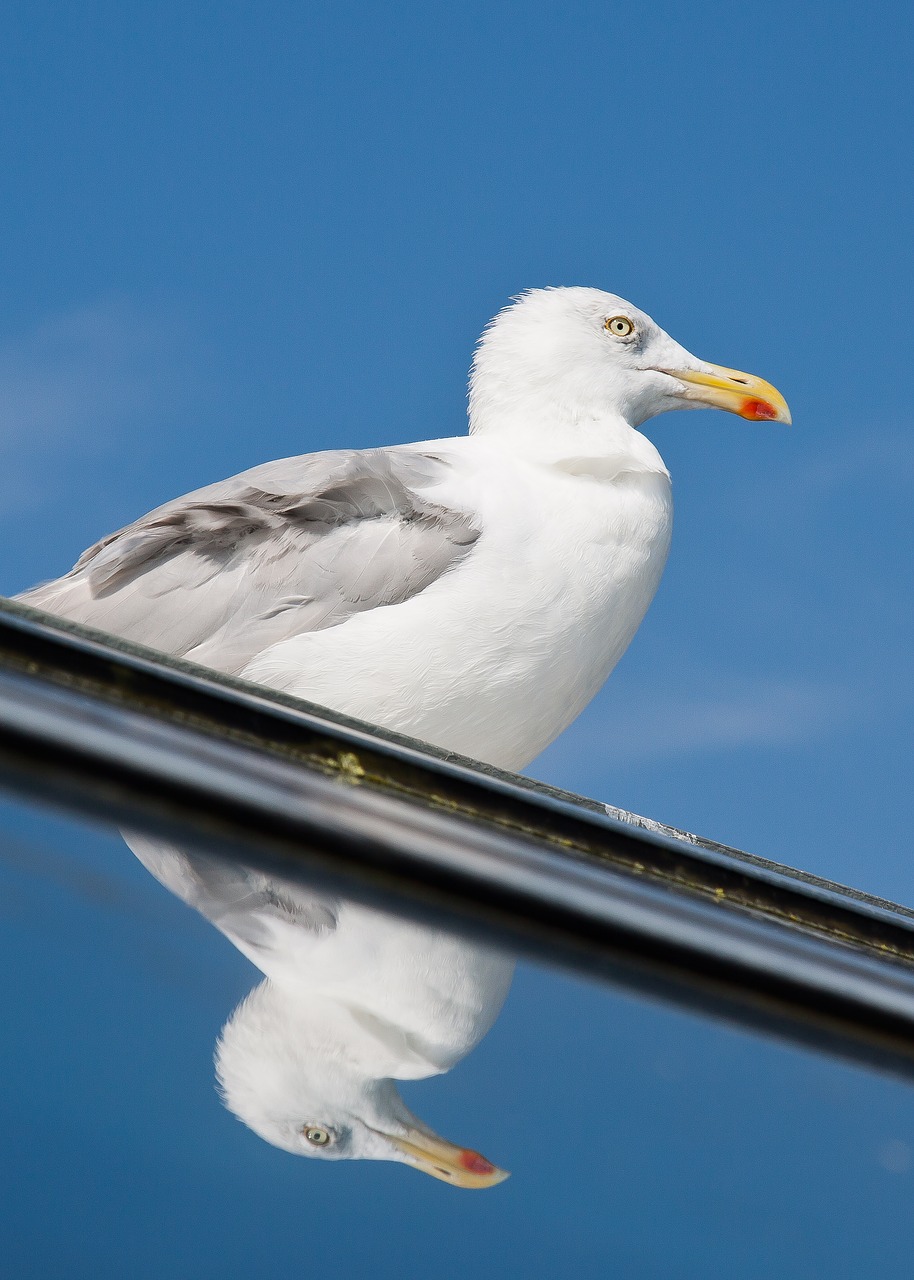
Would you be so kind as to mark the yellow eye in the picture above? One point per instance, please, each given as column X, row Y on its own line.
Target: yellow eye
column 317, row 1136
column 619, row 326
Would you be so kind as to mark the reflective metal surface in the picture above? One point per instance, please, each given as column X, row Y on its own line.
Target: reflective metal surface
column 641, row 1141
column 108, row 729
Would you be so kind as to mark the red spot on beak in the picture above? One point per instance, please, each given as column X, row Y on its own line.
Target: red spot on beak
column 475, row 1163
column 758, row 410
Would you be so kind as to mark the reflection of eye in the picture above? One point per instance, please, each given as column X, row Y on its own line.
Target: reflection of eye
column 619, row 326
column 317, row 1136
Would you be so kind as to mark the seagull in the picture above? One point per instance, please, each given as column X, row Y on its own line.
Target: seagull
column 473, row 592
column 353, row 999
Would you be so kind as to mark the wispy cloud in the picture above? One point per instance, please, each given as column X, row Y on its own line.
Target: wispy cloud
column 635, row 725
column 75, row 380
column 763, row 713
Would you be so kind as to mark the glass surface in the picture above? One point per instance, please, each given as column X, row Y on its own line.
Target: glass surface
column 641, row 1141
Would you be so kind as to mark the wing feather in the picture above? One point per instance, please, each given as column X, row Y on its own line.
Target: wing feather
column 291, row 546
column 261, row 914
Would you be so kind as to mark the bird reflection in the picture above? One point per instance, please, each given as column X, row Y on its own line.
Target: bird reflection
column 353, row 1000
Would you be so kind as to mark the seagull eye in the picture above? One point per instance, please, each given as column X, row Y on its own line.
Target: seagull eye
column 317, row 1136
column 619, row 326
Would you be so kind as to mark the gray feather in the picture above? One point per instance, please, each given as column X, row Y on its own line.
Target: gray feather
column 291, row 546
column 239, row 900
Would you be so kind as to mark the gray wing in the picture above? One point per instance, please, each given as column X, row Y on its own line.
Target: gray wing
column 288, row 547
column 251, row 908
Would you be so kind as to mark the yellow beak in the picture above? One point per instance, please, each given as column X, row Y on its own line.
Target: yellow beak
column 457, row 1165
column 737, row 392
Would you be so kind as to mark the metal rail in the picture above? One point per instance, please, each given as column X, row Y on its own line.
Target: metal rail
column 129, row 736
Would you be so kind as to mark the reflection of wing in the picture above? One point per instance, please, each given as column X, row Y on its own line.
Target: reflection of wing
column 260, row 914
column 285, row 548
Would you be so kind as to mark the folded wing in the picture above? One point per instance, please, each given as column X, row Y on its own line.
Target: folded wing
column 288, row 547
column 271, row 920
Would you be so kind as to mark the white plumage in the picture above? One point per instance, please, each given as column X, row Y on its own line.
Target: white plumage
column 353, row 1000
column 473, row 592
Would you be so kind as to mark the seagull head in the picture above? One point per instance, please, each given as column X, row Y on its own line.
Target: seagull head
column 573, row 356
column 311, row 1078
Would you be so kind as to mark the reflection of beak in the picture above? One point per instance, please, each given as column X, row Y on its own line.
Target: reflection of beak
column 457, row 1165
column 736, row 392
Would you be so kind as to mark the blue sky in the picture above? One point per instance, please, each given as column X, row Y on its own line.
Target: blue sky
column 243, row 231
column 248, row 231
column 642, row 1142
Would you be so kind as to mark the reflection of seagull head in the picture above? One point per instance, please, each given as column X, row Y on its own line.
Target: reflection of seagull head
column 312, row 1076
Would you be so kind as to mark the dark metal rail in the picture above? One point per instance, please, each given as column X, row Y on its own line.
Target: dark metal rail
column 129, row 736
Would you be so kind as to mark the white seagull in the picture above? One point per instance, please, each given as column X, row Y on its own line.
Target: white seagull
column 473, row 592
column 353, row 1000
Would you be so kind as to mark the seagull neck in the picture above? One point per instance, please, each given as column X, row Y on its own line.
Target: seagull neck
column 570, row 440
column 333, row 1026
